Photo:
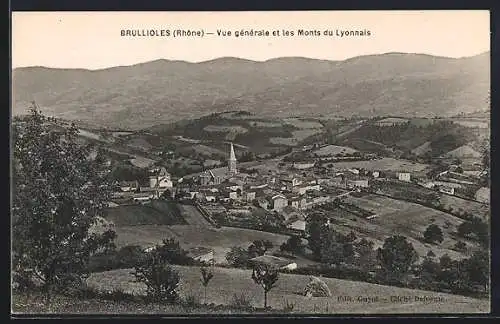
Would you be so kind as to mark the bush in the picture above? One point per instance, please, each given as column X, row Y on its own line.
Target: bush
column 241, row 301
column 288, row 306
column 191, row 300
column 161, row 280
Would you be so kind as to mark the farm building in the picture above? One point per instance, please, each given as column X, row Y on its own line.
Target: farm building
column 297, row 201
column 275, row 262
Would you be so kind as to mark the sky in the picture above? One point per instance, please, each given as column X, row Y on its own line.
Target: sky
column 92, row 40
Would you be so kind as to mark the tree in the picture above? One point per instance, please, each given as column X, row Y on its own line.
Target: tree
column 173, row 253
column 396, row 257
column 478, row 268
column 336, row 248
column 315, row 225
column 433, row 234
column 206, row 276
column 366, row 255
column 161, row 280
column 266, row 277
column 259, row 247
column 237, row 257
column 58, row 193
column 293, row 244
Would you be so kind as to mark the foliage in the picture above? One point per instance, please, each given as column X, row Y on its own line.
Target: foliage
column 266, row 277
column 259, row 247
column 241, row 301
column 366, row 256
column 173, row 253
column 433, row 234
column 315, row 225
column 336, row 248
column 237, row 257
column 58, row 191
column 475, row 228
column 293, row 244
column 288, row 306
column 396, row 257
column 161, row 280
column 206, row 276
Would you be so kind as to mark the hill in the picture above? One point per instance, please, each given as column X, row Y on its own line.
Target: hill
column 228, row 282
column 163, row 91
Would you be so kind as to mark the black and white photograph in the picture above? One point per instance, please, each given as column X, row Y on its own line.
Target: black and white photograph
column 291, row 163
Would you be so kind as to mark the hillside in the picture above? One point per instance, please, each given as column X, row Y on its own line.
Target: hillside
column 228, row 282
column 163, row 91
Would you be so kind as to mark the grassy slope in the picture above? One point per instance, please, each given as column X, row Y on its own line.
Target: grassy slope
column 407, row 219
column 156, row 213
column 220, row 239
column 227, row 282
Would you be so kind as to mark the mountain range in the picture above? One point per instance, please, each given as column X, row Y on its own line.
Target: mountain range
column 164, row 91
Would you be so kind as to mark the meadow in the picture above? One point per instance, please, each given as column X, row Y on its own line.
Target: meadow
column 219, row 239
column 227, row 282
column 408, row 219
column 383, row 164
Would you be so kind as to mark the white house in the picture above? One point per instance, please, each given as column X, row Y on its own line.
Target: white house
column 279, row 202
column 404, row 176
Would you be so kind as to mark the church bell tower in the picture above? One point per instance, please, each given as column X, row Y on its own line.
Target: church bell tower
column 232, row 161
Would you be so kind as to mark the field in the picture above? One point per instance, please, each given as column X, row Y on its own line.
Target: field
column 391, row 121
column 228, row 282
column 303, row 124
column 460, row 205
column 155, row 213
column 223, row 129
column 288, row 141
column 264, row 124
column 220, row 239
column 405, row 218
column 142, row 162
column 334, row 150
column 384, row 164
column 473, row 123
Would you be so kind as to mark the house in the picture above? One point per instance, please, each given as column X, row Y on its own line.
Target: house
column 202, row 254
column 278, row 202
column 249, row 196
column 483, row 195
column 160, row 178
column 127, row 186
column 376, row 174
column 302, row 189
column 404, row 176
column 142, row 197
column 274, row 262
column 298, row 225
column 447, row 190
column 303, row 165
column 291, row 182
column 263, row 203
column 357, row 183
column 297, row 202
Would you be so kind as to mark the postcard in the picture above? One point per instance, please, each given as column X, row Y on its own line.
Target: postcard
column 286, row 163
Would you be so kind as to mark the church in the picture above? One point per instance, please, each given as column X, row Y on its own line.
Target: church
column 219, row 175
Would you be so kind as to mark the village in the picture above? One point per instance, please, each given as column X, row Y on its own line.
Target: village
column 278, row 198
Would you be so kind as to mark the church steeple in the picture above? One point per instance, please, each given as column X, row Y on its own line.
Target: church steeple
column 232, row 161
